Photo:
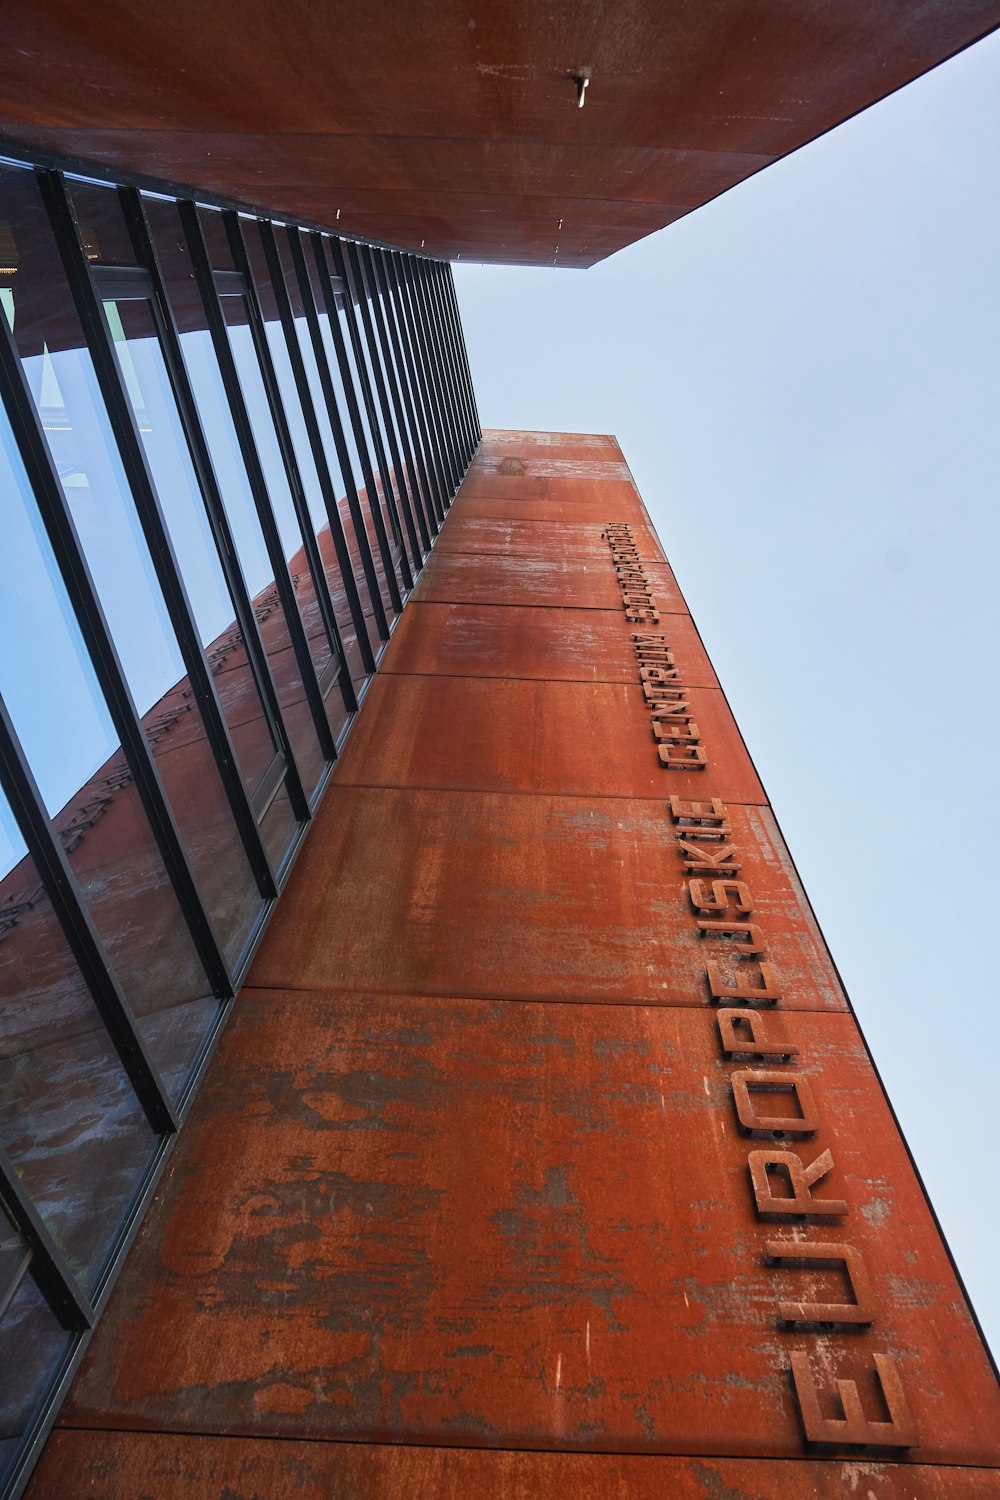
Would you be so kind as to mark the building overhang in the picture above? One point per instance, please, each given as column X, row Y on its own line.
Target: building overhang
column 456, row 129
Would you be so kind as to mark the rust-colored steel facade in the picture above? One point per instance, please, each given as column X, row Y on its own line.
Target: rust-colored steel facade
column 542, row 1153
column 455, row 128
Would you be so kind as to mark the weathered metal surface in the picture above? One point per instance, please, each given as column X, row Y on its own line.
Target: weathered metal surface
column 488, row 640
column 460, row 132
column 514, row 735
column 395, row 1218
column 466, row 578
column 560, row 444
column 529, row 537
column 522, row 897
column 561, row 462
column 558, row 488
column 595, row 514
column 162, row 1466
column 482, row 1164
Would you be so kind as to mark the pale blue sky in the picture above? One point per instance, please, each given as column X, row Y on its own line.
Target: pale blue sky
column 805, row 379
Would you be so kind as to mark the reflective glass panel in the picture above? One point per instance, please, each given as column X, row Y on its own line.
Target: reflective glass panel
column 226, row 657
column 32, row 1349
column 368, row 500
column 64, row 385
column 48, row 683
column 391, row 503
column 398, row 364
column 69, row 1118
column 282, row 363
column 397, row 310
column 141, row 358
column 336, row 476
column 266, row 439
column 336, row 375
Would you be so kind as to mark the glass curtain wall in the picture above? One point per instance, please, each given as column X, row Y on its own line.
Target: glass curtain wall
column 226, row 447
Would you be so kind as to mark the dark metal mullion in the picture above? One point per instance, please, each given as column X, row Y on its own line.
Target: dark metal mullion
column 272, row 536
column 452, row 362
column 350, row 317
column 426, row 332
column 58, row 522
column 375, row 353
column 451, row 297
column 67, row 900
column 393, row 379
column 354, row 413
column 419, row 376
column 340, row 443
column 426, row 271
column 440, row 274
column 208, row 483
column 404, row 315
column 350, row 297
column 140, row 479
column 446, row 292
column 445, row 378
column 230, row 375
column 430, row 381
column 299, row 375
column 49, row 1267
column 408, row 386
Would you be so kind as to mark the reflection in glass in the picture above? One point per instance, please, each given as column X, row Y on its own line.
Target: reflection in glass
column 69, row 1118
column 370, row 537
column 323, row 534
column 64, row 385
column 202, row 365
column 367, row 500
column 390, row 501
column 32, row 1348
column 407, row 427
column 47, row 683
column 139, row 353
column 282, row 363
column 266, row 439
column 278, row 827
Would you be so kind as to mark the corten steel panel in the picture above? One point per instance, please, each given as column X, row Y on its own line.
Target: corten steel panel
column 537, row 897
column 560, row 489
column 529, row 538
column 418, row 1220
column 455, row 578
column 487, row 640
column 179, row 1467
column 532, row 438
column 579, row 447
column 432, row 127
column 590, row 513
column 548, row 463
column 514, row 735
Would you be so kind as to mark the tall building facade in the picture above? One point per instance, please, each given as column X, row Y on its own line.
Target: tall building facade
column 529, row 1143
column 542, row 1153
column 227, row 446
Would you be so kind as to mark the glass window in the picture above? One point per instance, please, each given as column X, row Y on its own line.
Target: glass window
column 336, row 472
column 32, row 1349
column 141, row 358
column 63, row 383
column 389, row 499
column 398, row 364
column 336, row 375
column 237, row 497
column 282, row 363
column 49, row 684
column 269, row 451
column 69, row 1118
